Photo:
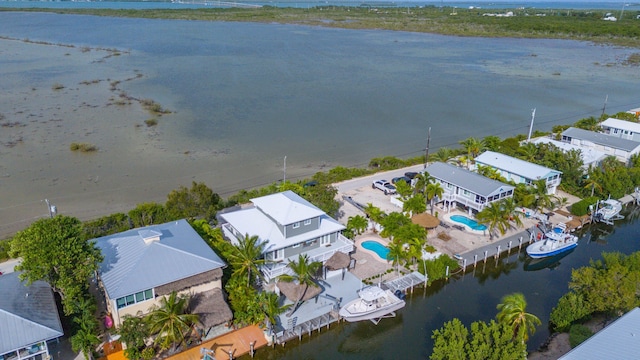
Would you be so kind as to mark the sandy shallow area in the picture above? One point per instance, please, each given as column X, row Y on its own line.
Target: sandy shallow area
column 44, row 107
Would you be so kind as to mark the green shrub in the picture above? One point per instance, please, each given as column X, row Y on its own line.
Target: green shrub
column 83, row 147
column 4, row 249
column 582, row 207
column 578, row 334
column 151, row 122
column 437, row 268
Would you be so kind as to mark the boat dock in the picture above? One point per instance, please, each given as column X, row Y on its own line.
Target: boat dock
column 493, row 250
column 406, row 282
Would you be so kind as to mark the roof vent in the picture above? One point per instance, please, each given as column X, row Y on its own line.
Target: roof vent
column 149, row 235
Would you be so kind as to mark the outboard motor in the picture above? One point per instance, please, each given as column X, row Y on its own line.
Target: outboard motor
column 399, row 294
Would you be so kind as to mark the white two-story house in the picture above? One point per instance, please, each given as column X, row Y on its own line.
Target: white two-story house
column 466, row 188
column 289, row 226
column 520, row 171
column 621, row 128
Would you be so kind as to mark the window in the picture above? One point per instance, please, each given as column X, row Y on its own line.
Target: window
column 279, row 254
column 325, row 240
column 296, row 225
column 135, row 298
column 307, row 222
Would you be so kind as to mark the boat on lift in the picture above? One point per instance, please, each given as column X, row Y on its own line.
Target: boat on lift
column 607, row 211
column 373, row 303
column 553, row 242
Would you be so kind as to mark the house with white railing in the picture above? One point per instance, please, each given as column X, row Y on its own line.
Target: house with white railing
column 622, row 149
column 520, row 171
column 466, row 188
column 621, row 128
column 288, row 225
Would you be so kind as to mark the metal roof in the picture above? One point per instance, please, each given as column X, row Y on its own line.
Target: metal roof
column 588, row 155
column 466, row 179
column 601, row 139
column 621, row 124
column 515, row 166
column 28, row 314
column 254, row 222
column 132, row 264
column 287, row 207
column 618, row 341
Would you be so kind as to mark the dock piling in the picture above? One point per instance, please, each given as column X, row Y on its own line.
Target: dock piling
column 520, row 244
column 475, row 260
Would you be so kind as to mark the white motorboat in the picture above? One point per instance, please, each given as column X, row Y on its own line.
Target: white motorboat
column 554, row 242
column 373, row 304
column 607, row 211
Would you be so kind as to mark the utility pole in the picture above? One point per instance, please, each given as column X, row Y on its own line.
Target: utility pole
column 284, row 178
column 52, row 209
column 426, row 151
column 604, row 107
column 533, row 116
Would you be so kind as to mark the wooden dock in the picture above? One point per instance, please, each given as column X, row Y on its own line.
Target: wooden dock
column 406, row 282
column 228, row 346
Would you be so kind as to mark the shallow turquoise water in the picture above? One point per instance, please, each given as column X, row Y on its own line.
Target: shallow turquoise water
column 469, row 222
column 381, row 250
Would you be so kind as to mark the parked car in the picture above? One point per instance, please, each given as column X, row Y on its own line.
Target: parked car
column 411, row 174
column 401, row 178
column 384, row 186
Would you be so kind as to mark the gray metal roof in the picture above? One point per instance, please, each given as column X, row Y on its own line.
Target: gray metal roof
column 601, row 139
column 28, row 314
column 515, row 166
column 618, row 341
column 173, row 251
column 287, row 207
column 466, row 179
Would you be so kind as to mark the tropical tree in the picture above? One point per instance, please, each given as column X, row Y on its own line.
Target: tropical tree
column 146, row 214
column 246, row 257
column 472, row 147
column 492, row 143
column 304, row 272
column 491, row 173
column 170, row 322
column 528, row 152
column 397, row 254
column 434, row 190
column 374, row 213
column 85, row 338
column 494, row 217
column 542, row 200
column 392, row 222
column 512, row 311
column 592, row 180
column 55, row 251
column 421, row 182
column 443, row 154
column 199, row 201
column 133, row 332
column 509, row 208
column 357, row 223
column 271, row 308
column 415, row 204
column 403, row 189
column 416, row 246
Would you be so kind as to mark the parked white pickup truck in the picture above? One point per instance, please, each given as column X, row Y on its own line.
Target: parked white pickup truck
column 384, row 186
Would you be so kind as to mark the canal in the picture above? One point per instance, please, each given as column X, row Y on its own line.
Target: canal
column 469, row 297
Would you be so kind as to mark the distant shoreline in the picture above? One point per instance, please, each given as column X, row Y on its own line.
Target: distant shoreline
column 568, row 24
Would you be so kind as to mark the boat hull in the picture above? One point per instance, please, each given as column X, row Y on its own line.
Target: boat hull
column 537, row 254
column 370, row 315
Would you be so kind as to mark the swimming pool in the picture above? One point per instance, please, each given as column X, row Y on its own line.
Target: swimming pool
column 469, row 222
column 381, row 250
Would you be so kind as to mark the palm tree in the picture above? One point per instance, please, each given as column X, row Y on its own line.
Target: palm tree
column 85, row 338
column 271, row 308
column 397, row 254
column 528, row 151
column 493, row 216
column 415, row 204
column 434, row 189
column 357, row 223
column 304, row 273
column 542, row 199
column 374, row 213
column 472, row 146
column 246, row 257
column 444, row 154
column 512, row 311
column 509, row 207
column 416, row 245
column 421, row 182
column 592, row 181
column 170, row 321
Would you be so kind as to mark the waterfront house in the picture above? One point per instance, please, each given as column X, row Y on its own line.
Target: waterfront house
column 621, row 128
column 466, row 188
column 28, row 318
column 619, row 340
column 621, row 148
column 142, row 265
column 520, row 171
column 290, row 226
column 589, row 156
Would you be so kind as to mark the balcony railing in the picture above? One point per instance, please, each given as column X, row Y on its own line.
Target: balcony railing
column 321, row 254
